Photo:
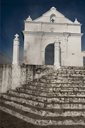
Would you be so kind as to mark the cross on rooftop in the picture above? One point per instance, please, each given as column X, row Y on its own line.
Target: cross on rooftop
column 16, row 36
column 52, row 20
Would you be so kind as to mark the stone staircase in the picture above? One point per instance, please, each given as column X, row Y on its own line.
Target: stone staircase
column 56, row 99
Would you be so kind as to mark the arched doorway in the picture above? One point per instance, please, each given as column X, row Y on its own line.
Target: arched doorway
column 49, row 54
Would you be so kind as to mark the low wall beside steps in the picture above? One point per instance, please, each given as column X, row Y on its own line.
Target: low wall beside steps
column 12, row 76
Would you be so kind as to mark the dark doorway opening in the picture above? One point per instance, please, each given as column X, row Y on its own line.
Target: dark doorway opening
column 49, row 54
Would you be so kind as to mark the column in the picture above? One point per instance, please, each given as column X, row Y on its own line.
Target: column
column 57, row 53
column 43, row 57
column 16, row 50
column 16, row 69
column 66, row 53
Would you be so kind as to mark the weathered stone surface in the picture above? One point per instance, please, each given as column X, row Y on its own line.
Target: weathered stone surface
column 57, row 98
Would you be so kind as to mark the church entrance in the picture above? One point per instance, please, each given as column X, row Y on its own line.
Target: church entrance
column 49, row 54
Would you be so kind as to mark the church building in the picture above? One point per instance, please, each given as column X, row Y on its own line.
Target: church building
column 52, row 39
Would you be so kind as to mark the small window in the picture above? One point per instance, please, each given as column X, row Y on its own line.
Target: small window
column 52, row 18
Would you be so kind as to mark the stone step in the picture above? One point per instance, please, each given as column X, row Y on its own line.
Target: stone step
column 58, row 105
column 56, row 84
column 68, row 76
column 57, row 98
column 71, row 71
column 45, row 109
column 59, row 81
column 71, row 68
column 53, row 84
column 51, row 89
column 42, row 121
column 48, row 99
column 41, row 112
column 67, row 72
column 54, row 93
column 46, row 96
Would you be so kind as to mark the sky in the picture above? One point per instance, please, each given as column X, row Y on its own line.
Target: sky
column 14, row 12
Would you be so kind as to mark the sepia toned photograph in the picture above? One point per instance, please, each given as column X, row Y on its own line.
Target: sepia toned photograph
column 42, row 64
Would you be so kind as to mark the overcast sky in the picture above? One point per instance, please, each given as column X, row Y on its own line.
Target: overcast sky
column 14, row 12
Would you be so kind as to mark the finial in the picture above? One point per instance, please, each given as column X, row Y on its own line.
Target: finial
column 16, row 36
column 29, row 18
column 76, row 21
column 53, row 8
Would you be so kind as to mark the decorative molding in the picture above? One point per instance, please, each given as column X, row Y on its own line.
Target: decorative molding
column 39, row 22
column 66, row 34
column 57, row 40
column 51, row 33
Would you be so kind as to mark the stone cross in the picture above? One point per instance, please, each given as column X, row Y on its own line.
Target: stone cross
column 16, row 36
column 16, row 43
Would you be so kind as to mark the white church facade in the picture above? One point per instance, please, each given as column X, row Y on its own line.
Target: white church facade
column 52, row 39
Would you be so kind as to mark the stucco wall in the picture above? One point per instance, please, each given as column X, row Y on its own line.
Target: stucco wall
column 32, row 49
column 13, row 76
column 35, row 44
column 5, row 77
column 74, row 51
column 57, row 27
column 42, row 31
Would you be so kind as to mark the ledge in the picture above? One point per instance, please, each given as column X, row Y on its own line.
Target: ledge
column 51, row 33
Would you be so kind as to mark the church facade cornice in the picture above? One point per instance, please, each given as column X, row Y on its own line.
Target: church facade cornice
column 52, row 33
column 73, row 24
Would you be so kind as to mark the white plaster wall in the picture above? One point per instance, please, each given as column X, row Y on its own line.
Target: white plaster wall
column 74, row 28
column 30, row 26
column 41, row 32
column 74, row 51
column 55, row 27
column 5, row 77
column 32, row 49
column 58, row 19
column 52, row 27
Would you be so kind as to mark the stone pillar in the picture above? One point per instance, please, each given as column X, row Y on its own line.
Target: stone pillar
column 43, row 57
column 57, row 53
column 16, row 50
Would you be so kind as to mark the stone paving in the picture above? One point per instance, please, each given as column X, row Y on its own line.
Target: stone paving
column 56, row 100
column 9, row 121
